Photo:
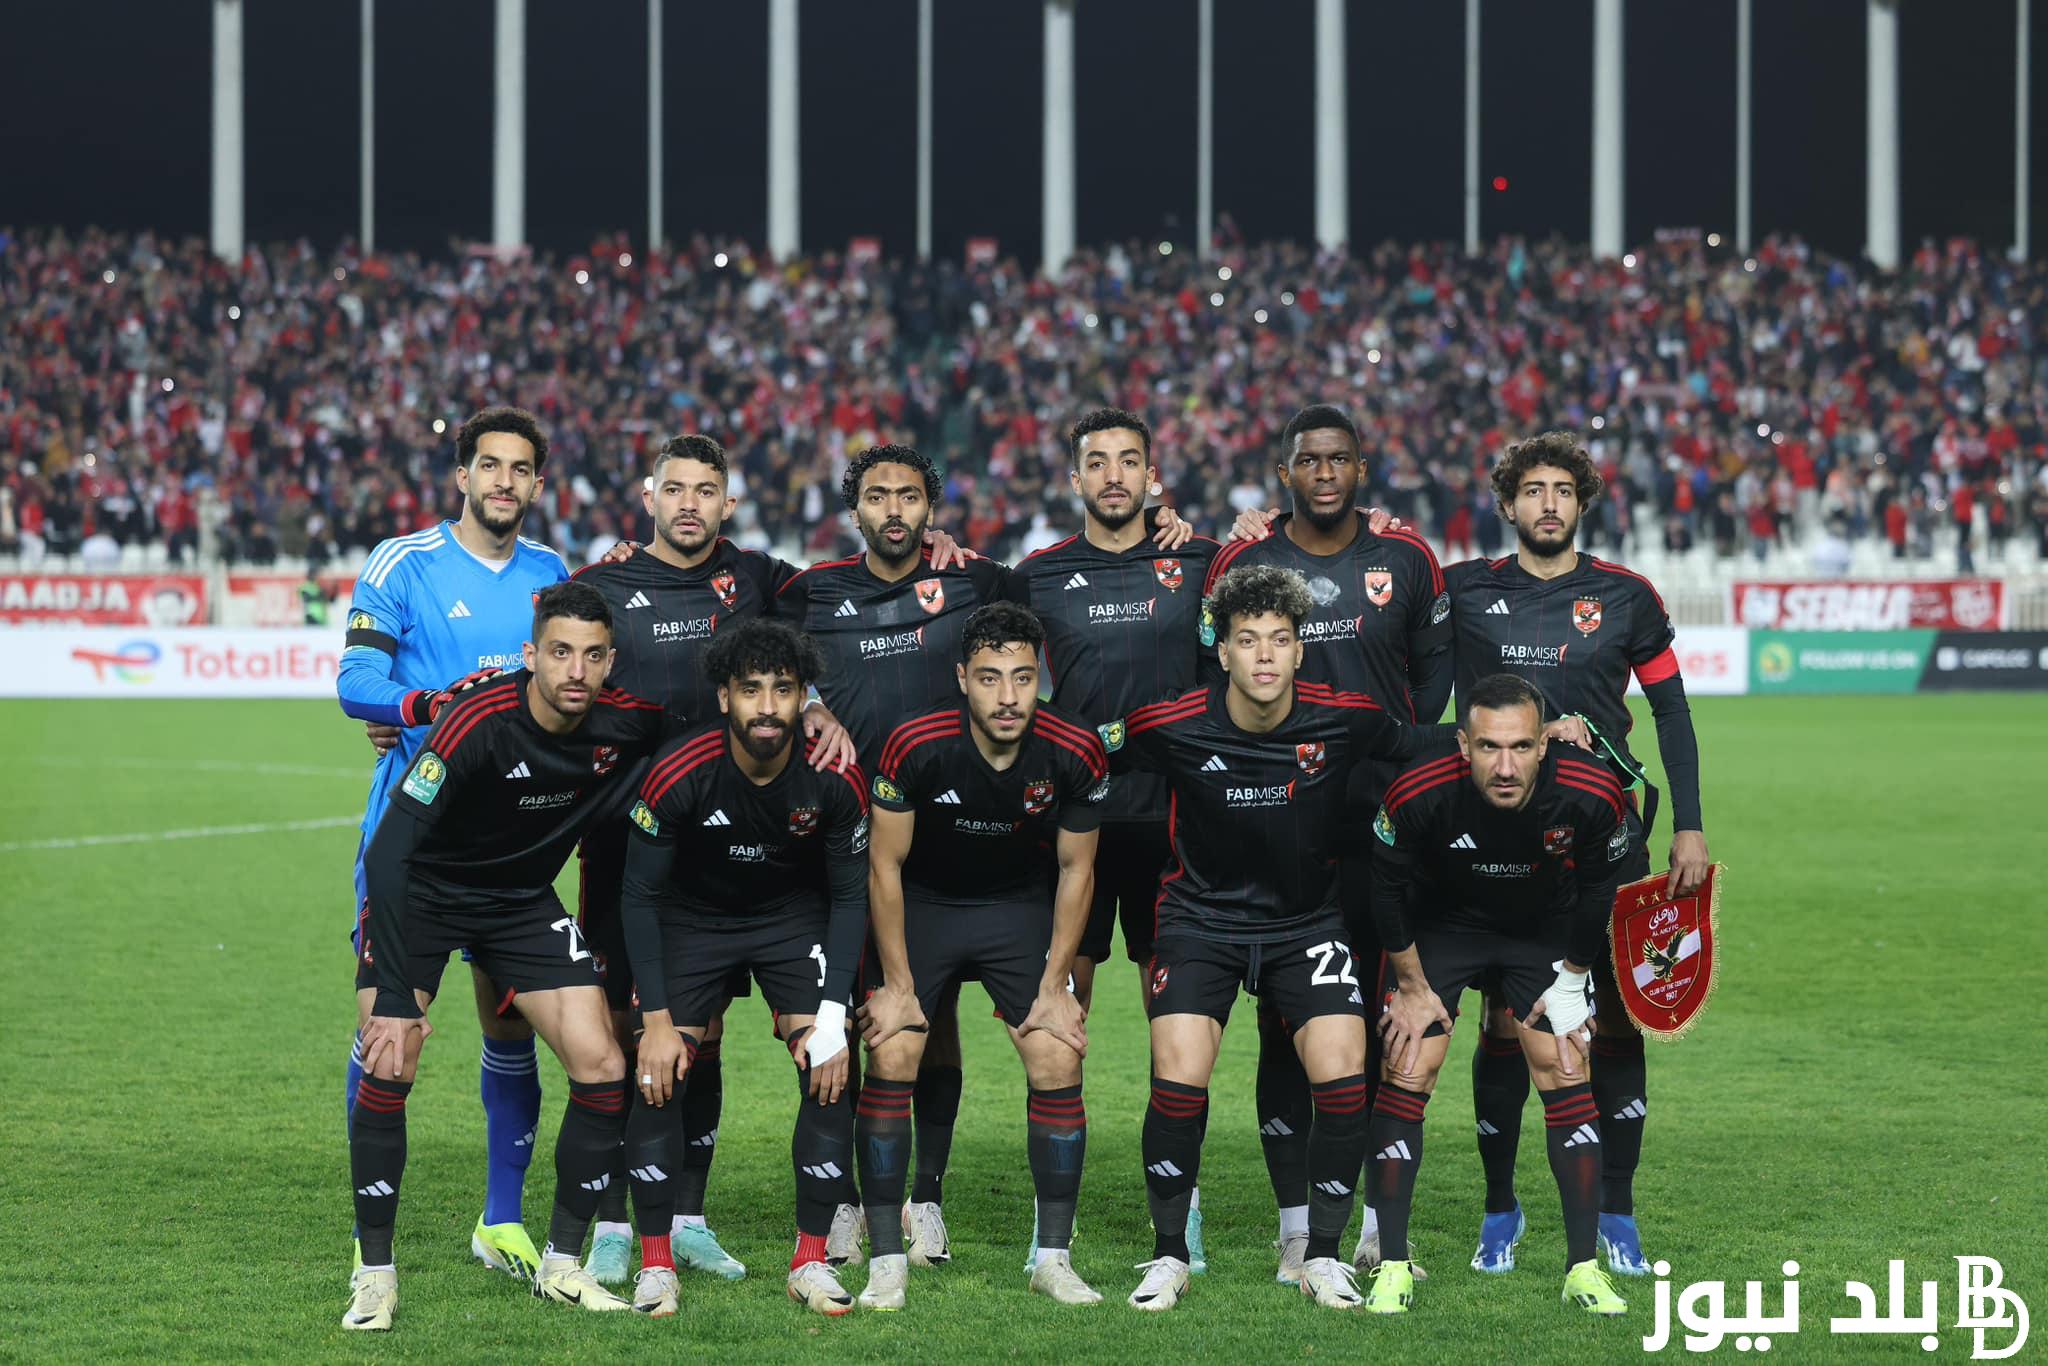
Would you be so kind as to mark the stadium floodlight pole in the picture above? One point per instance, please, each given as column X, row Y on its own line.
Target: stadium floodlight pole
column 228, row 223
column 1058, row 157
column 366, row 134
column 655, row 235
column 924, row 130
column 1333, row 182
column 1881, row 135
column 1471, row 127
column 508, row 129
column 1608, row 226
column 785, row 232
column 1743, row 51
column 1205, row 128
column 2021, row 177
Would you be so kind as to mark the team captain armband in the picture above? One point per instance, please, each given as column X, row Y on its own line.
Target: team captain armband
column 1654, row 671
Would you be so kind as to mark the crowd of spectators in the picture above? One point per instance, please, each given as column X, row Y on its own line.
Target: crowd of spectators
column 303, row 403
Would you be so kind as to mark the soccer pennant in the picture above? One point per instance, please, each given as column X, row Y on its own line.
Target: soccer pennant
column 1665, row 951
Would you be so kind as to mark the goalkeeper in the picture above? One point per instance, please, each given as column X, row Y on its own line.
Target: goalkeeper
column 1499, row 860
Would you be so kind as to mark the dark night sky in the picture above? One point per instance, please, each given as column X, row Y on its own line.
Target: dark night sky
column 104, row 108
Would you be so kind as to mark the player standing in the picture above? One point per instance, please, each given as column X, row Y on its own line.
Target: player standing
column 1576, row 627
column 429, row 608
column 747, row 859
column 667, row 600
column 1379, row 625
column 1259, row 766
column 967, row 799
column 1500, row 860
column 465, row 857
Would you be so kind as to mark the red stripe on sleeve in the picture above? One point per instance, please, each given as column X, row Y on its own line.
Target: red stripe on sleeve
column 1657, row 670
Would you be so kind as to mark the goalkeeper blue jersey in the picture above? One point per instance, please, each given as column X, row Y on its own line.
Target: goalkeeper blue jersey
column 425, row 613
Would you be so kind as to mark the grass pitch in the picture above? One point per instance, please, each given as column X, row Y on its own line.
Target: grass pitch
column 175, row 1015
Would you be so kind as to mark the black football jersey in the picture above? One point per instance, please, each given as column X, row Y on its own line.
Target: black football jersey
column 1120, row 632
column 663, row 619
column 1577, row 637
column 492, row 805
column 1381, row 618
column 710, row 847
column 986, row 835
column 1256, row 822
column 889, row 648
column 1447, row 858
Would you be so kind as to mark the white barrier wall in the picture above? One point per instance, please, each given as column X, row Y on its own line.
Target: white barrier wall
column 1713, row 660
column 123, row 661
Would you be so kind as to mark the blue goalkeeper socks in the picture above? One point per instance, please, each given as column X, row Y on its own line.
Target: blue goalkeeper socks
column 511, row 1095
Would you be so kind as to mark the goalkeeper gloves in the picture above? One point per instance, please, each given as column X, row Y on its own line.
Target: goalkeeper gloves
column 420, row 706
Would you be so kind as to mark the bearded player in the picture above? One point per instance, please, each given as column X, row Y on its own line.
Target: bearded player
column 1577, row 627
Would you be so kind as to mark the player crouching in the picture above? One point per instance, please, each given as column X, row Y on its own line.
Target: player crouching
column 967, row 801
column 746, row 859
column 1499, row 859
column 465, row 857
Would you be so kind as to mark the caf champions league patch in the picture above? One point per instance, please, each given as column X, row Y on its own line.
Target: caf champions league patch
column 1112, row 733
column 423, row 784
column 886, row 790
column 645, row 818
column 1383, row 826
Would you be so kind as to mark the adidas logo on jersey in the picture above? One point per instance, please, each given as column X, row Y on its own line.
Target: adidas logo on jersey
column 1463, row 842
column 1499, row 608
column 1397, row 1151
column 520, row 770
column 950, row 797
column 718, row 817
column 1582, row 1135
column 1078, row 581
column 846, row 609
column 638, row 599
column 1215, row 765
column 460, row 609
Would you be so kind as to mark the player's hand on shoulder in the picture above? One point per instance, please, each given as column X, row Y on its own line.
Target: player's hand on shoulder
column 1170, row 530
column 1058, row 1012
column 1571, row 730
column 424, row 708
column 887, row 1013
column 663, row 1059
column 620, row 552
column 947, row 553
column 1380, row 521
column 1253, row 524
column 1689, row 862
column 835, row 742
column 383, row 738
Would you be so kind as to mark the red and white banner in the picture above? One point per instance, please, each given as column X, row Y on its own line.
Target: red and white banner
column 112, row 661
column 102, row 599
column 273, row 599
column 1849, row 605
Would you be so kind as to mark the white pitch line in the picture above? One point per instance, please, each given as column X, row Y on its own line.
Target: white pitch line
column 214, row 766
column 197, row 833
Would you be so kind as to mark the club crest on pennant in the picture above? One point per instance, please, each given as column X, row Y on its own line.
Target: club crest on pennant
column 1664, row 951
column 803, row 820
column 1037, row 796
column 1168, row 571
column 931, row 595
column 1310, row 757
column 1586, row 615
column 727, row 588
column 1558, row 839
column 1379, row 587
